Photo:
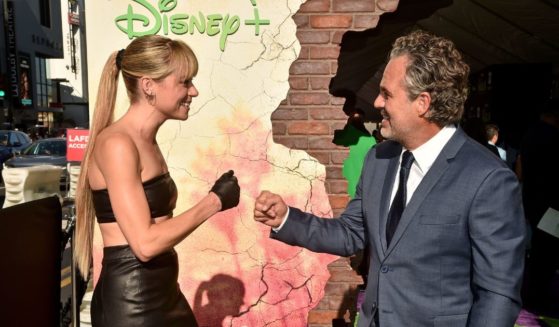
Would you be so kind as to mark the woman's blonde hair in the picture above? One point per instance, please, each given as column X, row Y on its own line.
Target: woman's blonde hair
column 152, row 56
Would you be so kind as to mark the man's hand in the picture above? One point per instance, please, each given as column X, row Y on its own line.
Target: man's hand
column 269, row 209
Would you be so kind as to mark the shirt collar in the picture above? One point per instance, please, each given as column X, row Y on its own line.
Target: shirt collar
column 426, row 153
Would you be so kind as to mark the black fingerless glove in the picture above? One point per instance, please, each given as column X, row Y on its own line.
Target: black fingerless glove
column 227, row 190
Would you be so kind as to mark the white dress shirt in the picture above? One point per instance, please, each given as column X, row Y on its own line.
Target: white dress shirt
column 502, row 152
column 424, row 157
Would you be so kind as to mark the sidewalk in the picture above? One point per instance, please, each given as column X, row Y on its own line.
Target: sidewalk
column 525, row 319
column 85, row 313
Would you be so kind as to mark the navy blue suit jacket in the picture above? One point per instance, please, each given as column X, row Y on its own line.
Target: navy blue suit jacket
column 457, row 256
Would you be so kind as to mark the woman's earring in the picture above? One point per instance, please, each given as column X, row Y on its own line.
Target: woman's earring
column 151, row 97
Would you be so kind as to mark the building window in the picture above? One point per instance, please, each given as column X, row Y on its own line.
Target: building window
column 44, row 85
column 46, row 119
column 44, row 9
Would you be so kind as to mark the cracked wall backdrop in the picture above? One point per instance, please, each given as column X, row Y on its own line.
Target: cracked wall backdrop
column 230, row 271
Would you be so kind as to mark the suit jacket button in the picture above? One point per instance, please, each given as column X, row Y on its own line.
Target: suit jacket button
column 384, row 269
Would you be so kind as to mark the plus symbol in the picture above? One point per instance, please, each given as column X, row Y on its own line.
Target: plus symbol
column 257, row 22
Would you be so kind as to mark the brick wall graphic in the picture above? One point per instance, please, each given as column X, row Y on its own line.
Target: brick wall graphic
column 264, row 111
column 307, row 118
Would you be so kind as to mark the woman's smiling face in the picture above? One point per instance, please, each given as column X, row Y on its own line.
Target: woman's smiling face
column 174, row 95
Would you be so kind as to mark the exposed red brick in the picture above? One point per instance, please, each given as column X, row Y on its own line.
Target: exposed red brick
column 306, row 67
column 338, row 157
column 304, row 53
column 346, row 276
column 353, row 5
column 338, row 288
column 327, row 113
column 365, row 21
column 324, row 304
column 320, row 83
column 302, row 21
column 279, row 128
column 341, row 262
column 338, row 100
column 299, row 83
column 345, row 302
column 290, row 114
column 337, row 187
column 337, row 36
column 334, row 172
column 333, row 67
column 322, row 316
column 338, row 201
column 292, row 142
column 307, row 98
column 387, row 5
column 322, row 156
column 327, row 52
column 346, row 267
column 315, row 6
column 320, row 325
column 338, row 125
column 283, row 102
column 321, row 142
column 335, row 301
column 308, row 128
column 331, row 21
column 313, row 37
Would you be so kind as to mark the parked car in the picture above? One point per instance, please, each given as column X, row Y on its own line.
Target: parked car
column 11, row 142
column 50, row 151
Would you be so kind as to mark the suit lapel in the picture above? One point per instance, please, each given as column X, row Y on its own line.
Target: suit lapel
column 392, row 154
column 437, row 170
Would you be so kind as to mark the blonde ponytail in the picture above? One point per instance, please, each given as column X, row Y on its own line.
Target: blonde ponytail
column 103, row 116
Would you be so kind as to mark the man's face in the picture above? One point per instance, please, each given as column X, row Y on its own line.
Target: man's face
column 400, row 117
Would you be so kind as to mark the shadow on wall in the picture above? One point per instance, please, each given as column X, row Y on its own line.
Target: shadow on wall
column 346, row 310
column 218, row 298
column 363, row 54
column 354, row 295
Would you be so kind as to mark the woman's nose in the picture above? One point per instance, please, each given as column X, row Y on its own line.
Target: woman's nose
column 193, row 91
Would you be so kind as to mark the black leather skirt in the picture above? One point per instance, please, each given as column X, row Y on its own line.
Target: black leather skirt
column 134, row 293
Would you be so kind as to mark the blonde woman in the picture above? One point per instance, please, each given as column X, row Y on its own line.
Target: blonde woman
column 125, row 182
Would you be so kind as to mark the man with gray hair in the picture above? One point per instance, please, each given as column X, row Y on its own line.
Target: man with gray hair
column 442, row 216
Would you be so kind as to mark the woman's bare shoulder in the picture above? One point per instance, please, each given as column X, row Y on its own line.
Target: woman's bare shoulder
column 113, row 144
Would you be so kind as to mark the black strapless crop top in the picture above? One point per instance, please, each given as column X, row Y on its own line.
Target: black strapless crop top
column 161, row 194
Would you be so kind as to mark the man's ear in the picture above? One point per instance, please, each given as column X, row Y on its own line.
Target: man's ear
column 423, row 102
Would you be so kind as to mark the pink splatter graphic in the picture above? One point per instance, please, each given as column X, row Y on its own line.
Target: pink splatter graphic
column 236, row 275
